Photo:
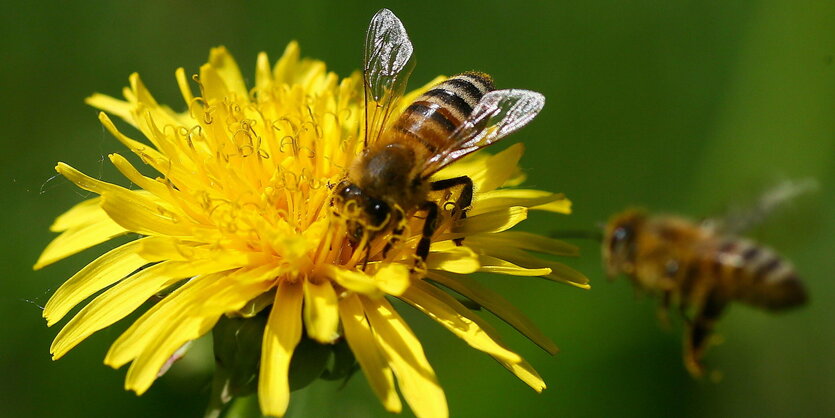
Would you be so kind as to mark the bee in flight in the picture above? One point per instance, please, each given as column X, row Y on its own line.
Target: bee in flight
column 701, row 268
column 390, row 180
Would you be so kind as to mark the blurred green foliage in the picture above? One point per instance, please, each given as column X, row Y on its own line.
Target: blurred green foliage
column 680, row 106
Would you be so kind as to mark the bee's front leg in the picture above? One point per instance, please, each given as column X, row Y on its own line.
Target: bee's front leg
column 668, row 285
column 429, row 227
column 396, row 236
column 697, row 335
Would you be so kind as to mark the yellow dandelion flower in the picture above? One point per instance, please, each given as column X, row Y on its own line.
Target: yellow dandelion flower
column 242, row 210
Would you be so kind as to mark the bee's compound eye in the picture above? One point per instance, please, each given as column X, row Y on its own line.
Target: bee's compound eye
column 378, row 211
column 621, row 234
column 623, row 238
column 347, row 191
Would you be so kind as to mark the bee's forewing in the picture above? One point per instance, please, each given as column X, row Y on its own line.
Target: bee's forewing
column 498, row 114
column 388, row 64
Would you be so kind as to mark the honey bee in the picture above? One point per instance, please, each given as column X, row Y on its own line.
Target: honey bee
column 700, row 268
column 390, row 180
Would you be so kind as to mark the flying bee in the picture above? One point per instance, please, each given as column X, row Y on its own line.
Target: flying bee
column 390, row 180
column 701, row 267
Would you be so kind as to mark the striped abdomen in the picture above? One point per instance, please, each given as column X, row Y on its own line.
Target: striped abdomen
column 432, row 118
column 756, row 275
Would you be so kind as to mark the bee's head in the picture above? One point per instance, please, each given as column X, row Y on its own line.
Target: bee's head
column 363, row 212
column 619, row 242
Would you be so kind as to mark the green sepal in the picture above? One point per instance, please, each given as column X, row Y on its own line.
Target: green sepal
column 342, row 363
column 309, row 361
column 237, row 348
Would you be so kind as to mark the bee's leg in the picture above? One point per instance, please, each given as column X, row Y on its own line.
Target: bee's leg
column 663, row 312
column 465, row 199
column 396, row 234
column 669, row 284
column 367, row 254
column 698, row 334
column 429, row 226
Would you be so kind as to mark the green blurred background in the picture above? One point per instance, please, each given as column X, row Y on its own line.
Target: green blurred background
column 679, row 106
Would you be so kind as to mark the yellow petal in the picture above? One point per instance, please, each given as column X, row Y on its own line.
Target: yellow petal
column 404, row 353
column 557, row 206
column 215, row 87
column 206, row 274
column 459, row 320
column 221, row 60
column 148, row 114
column 285, row 66
column 361, row 340
column 120, row 108
column 495, row 243
column 390, row 278
column 118, row 301
column 163, row 248
column 489, row 340
column 143, row 216
column 497, row 304
column 163, row 191
column 534, row 199
column 526, row 373
column 562, row 273
column 142, row 332
column 104, row 271
column 445, row 255
column 149, row 155
column 356, row 281
column 487, row 173
column 77, row 239
column 283, row 332
column 135, row 211
column 148, row 366
column 190, row 319
column 126, row 168
column 97, row 186
column 496, row 221
column 499, row 168
column 559, row 271
column 263, row 74
column 497, row 265
column 182, row 83
column 321, row 316
column 83, row 213
column 140, row 93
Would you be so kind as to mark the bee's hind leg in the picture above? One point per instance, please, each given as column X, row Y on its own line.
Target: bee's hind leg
column 697, row 335
column 465, row 199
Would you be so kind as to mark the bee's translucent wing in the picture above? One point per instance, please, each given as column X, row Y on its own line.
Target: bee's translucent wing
column 498, row 114
column 739, row 219
column 388, row 64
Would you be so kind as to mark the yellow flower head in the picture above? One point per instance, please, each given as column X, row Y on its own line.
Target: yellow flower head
column 241, row 211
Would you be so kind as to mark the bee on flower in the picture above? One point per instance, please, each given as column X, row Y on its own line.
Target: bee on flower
column 311, row 199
